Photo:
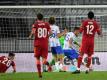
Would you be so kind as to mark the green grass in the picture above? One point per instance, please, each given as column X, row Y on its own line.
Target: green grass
column 55, row 76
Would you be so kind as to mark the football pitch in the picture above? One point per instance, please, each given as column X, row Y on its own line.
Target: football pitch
column 100, row 75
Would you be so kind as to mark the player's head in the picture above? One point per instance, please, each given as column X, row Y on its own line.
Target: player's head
column 11, row 56
column 65, row 28
column 51, row 20
column 39, row 16
column 76, row 30
column 90, row 15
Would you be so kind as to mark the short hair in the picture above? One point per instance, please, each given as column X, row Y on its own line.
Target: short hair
column 39, row 16
column 66, row 27
column 51, row 20
column 90, row 15
column 76, row 28
column 11, row 54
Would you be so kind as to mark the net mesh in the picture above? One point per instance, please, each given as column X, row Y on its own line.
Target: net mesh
column 16, row 22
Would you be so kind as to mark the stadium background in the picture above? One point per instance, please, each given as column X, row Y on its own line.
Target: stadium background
column 16, row 22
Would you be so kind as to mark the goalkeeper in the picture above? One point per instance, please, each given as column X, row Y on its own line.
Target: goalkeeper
column 62, row 38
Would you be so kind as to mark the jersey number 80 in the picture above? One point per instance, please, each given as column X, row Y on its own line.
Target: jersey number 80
column 42, row 32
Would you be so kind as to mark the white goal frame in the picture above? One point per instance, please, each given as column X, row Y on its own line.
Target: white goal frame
column 58, row 6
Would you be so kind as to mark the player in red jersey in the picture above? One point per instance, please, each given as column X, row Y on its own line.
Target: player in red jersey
column 6, row 62
column 41, row 30
column 89, row 28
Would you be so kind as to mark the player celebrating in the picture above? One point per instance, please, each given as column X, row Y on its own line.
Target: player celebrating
column 40, row 31
column 56, row 48
column 70, row 43
column 89, row 28
column 6, row 62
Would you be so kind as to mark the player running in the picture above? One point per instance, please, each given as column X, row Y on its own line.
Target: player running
column 40, row 30
column 6, row 62
column 56, row 48
column 70, row 45
column 89, row 27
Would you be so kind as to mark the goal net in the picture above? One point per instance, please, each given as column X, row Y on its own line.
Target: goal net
column 16, row 22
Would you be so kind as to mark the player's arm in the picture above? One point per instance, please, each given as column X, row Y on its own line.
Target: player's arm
column 14, row 67
column 75, row 42
column 49, row 29
column 32, row 32
column 50, row 32
column 99, row 31
column 70, row 42
column 82, row 27
column 30, row 36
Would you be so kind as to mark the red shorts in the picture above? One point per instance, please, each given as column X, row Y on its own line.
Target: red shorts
column 40, row 51
column 87, row 47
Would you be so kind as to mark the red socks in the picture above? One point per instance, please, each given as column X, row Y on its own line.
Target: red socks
column 79, row 61
column 89, row 62
column 39, row 69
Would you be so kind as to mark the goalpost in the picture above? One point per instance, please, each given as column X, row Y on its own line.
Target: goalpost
column 16, row 21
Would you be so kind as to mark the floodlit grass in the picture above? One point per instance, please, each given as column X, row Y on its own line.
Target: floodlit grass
column 100, row 75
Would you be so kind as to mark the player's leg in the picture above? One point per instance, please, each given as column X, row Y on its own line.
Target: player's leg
column 44, row 58
column 80, row 57
column 60, row 55
column 54, row 54
column 38, row 63
column 89, row 59
column 52, row 63
column 79, row 62
column 74, row 56
column 83, row 49
column 45, row 62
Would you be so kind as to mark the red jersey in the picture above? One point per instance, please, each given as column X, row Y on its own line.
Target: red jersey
column 41, row 29
column 5, row 63
column 89, row 28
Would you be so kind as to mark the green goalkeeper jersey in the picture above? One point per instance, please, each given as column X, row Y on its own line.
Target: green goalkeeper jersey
column 61, row 39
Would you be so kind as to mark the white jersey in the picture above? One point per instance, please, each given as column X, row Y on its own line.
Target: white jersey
column 69, row 35
column 53, row 39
